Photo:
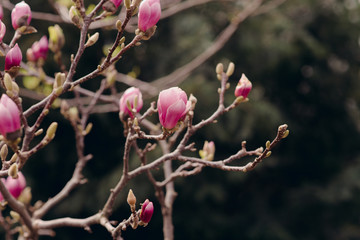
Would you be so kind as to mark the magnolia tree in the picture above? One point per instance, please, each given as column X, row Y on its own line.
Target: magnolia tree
column 22, row 215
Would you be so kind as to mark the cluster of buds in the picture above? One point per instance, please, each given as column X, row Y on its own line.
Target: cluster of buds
column 15, row 185
column 146, row 212
column 38, row 50
column 9, row 118
column 172, row 107
column 21, row 15
column 130, row 102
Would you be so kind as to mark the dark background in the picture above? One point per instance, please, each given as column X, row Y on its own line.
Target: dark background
column 303, row 61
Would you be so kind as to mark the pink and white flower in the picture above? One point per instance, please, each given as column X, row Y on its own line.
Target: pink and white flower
column 149, row 14
column 21, row 15
column 172, row 106
column 9, row 116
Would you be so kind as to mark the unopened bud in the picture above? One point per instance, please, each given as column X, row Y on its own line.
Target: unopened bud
column 4, row 152
column 13, row 171
column 8, row 81
column 88, row 128
column 74, row 16
column 39, row 132
column 73, row 114
column 59, row 80
column 131, row 200
column 267, row 144
column 286, row 133
column 92, row 40
column 25, row 196
column 15, row 88
column 219, row 76
column 127, row 4
column 268, row 154
column 118, row 25
column 15, row 216
column 13, row 158
column 230, row 69
column 50, row 133
column 219, row 68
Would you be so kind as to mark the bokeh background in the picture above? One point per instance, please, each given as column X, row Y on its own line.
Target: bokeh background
column 303, row 60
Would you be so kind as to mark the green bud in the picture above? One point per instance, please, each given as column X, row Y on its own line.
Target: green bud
column 268, row 154
column 50, row 133
column 286, row 133
column 268, row 144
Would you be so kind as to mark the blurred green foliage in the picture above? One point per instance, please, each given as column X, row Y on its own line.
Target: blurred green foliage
column 303, row 60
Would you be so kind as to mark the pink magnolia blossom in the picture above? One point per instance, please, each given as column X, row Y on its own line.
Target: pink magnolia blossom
column 39, row 49
column 243, row 87
column 116, row 2
column 172, row 106
column 9, row 116
column 2, row 30
column 129, row 96
column 13, row 57
column 21, row 15
column 1, row 12
column 147, row 211
column 16, row 186
column 149, row 14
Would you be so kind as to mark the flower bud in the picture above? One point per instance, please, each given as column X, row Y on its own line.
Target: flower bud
column 243, row 87
column 92, row 39
column 147, row 211
column 21, row 15
column 208, row 151
column 131, row 100
column 1, row 12
column 56, row 38
column 131, row 199
column 50, row 133
column 16, row 186
column 172, row 106
column 111, row 5
column 39, row 49
column 13, row 171
column 13, row 58
column 149, row 14
column 2, row 30
column 9, row 116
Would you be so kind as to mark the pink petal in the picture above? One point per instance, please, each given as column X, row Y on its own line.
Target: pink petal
column 173, row 114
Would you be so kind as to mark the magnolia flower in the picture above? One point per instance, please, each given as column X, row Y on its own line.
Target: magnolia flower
column 13, row 58
column 112, row 5
column 38, row 50
column 2, row 30
column 16, row 186
column 243, row 87
column 149, row 14
column 9, row 116
column 172, row 106
column 21, row 15
column 1, row 12
column 147, row 211
column 132, row 98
